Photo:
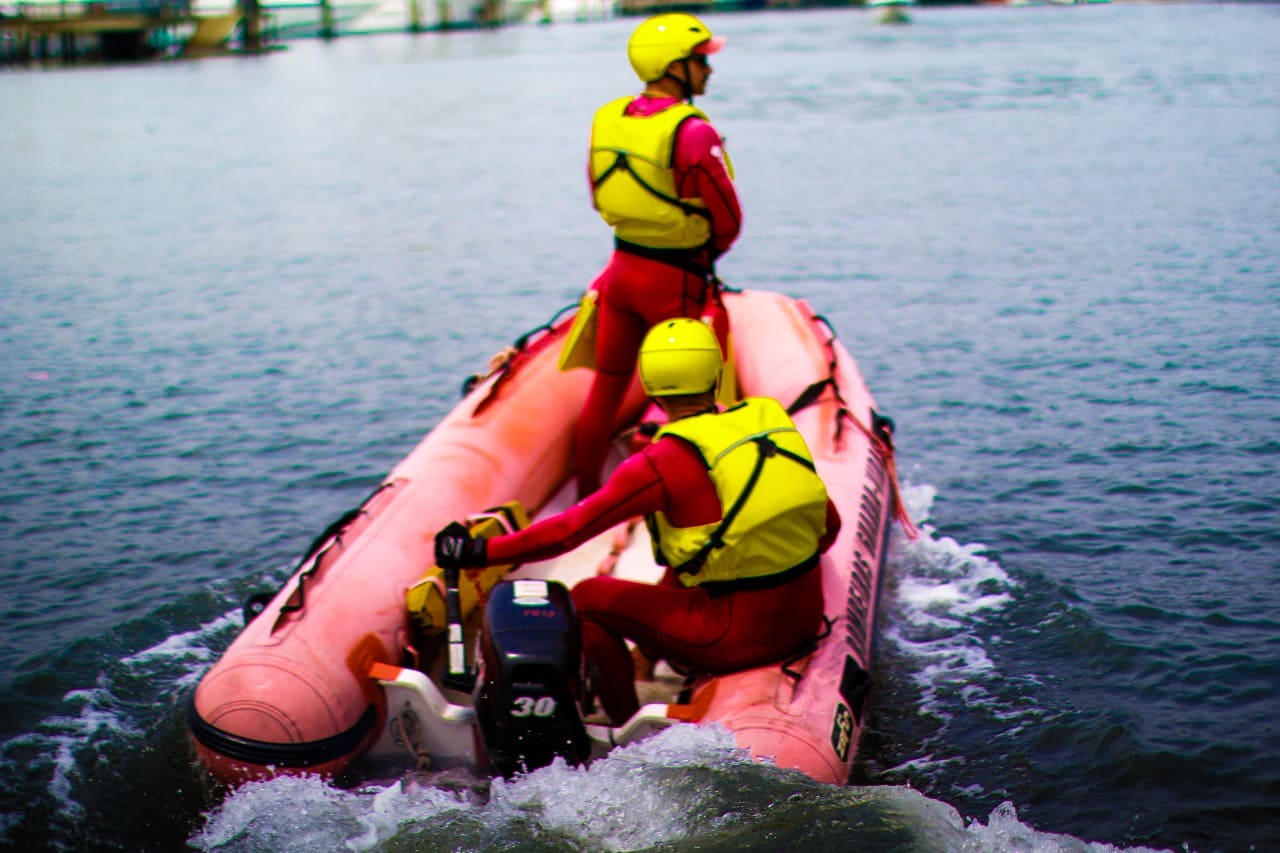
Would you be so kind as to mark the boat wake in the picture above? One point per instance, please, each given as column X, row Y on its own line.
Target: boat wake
column 49, row 761
column 689, row 787
column 101, row 741
column 938, row 593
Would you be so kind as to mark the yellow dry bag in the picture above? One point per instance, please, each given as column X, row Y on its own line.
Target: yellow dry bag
column 425, row 599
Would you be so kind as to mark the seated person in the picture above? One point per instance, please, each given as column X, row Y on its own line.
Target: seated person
column 737, row 514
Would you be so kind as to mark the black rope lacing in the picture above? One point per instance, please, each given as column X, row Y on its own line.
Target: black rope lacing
column 321, row 546
column 879, row 432
column 622, row 163
column 881, row 429
column 810, row 395
column 828, row 625
column 501, row 363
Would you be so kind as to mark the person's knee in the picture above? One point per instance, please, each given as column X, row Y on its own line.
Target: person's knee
column 588, row 595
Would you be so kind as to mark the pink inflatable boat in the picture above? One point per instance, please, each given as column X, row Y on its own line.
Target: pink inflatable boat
column 344, row 664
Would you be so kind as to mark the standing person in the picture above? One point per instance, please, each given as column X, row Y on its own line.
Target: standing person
column 661, row 179
column 737, row 514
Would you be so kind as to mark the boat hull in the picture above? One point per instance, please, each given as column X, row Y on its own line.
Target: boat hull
column 327, row 671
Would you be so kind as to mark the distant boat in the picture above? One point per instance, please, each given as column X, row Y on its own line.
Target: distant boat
column 211, row 32
column 891, row 11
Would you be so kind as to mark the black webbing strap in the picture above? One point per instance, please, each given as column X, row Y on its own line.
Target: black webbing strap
column 681, row 259
column 879, row 433
column 331, row 536
column 811, row 646
column 622, row 163
column 810, row 395
column 504, row 362
column 715, row 589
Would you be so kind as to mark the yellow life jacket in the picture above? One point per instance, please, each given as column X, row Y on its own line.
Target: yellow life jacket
column 632, row 182
column 773, row 503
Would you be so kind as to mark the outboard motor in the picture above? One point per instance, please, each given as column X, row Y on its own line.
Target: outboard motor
column 530, row 682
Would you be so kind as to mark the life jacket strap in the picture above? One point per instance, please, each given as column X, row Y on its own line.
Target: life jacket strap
column 767, row 449
column 687, row 260
column 622, row 163
column 715, row 589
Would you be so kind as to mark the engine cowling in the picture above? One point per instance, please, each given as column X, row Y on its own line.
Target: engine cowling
column 530, row 686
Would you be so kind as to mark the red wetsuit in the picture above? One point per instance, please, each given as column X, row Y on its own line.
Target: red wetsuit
column 638, row 292
column 687, row 625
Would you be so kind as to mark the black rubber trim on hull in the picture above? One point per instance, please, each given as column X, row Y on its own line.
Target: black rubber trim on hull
column 270, row 754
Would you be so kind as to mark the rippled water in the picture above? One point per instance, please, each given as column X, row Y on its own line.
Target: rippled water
column 234, row 292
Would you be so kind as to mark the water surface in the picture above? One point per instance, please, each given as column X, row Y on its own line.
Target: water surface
column 234, row 292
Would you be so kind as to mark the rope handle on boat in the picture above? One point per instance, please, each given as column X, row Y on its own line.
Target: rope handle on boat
column 828, row 625
column 881, row 436
column 879, row 433
column 321, row 545
column 405, row 732
column 503, row 361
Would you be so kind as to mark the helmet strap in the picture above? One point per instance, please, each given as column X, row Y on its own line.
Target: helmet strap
column 686, row 88
column 685, row 85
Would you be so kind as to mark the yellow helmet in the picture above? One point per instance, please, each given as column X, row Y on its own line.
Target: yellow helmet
column 662, row 39
column 680, row 356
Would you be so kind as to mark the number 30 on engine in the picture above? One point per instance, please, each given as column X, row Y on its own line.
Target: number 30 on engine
column 527, row 706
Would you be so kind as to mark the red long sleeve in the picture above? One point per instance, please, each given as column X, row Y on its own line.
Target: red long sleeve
column 701, row 173
column 833, row 528
column 642, row 484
